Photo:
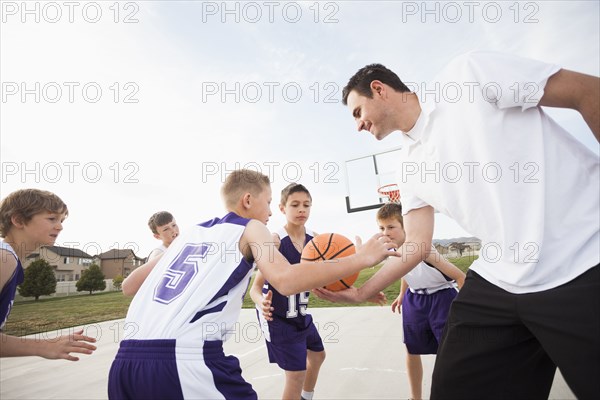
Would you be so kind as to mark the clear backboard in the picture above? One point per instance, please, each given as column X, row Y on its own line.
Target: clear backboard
column 364, row 175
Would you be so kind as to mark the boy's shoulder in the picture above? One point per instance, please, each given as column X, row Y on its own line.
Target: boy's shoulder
column 8, row 262
column 6, row 249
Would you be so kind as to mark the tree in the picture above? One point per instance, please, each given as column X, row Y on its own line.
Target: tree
column 117, row 282
column 460, row 247
column 39, row 280
column 441, row 249
column 91, row 279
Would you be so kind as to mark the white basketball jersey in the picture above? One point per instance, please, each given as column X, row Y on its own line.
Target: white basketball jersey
column 427, row 277
column 195, row 292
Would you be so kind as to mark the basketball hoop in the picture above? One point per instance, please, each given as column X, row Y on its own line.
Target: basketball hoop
column 391, row 191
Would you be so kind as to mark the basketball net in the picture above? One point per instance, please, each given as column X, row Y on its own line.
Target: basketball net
column 391, row 191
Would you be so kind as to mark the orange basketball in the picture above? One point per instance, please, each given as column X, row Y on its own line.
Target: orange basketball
column 329, row 246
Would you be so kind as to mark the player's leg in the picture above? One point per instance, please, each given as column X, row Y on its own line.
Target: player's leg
column 414, row 369
column 314, row 359
column 418, row 338
column 486, row 351
column 293, row 384
column 566, row 322
column 288, row 350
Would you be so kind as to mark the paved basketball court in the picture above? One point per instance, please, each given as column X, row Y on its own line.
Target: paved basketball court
column 365, row 360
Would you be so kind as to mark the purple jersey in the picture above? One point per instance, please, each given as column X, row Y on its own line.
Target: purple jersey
column 290, row 309
column 7, row 294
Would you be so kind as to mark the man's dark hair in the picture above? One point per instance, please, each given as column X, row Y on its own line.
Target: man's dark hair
column 361, row 81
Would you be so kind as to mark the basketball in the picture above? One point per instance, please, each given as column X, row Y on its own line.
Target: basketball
column 329, row 246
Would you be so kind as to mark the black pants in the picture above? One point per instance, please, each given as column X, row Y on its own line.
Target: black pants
column 499, row 345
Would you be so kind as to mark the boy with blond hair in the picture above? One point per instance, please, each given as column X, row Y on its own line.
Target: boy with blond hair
column 31, row 218
column 193, row 297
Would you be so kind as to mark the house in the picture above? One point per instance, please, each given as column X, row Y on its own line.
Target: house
column 118, row 262
column 67, row 262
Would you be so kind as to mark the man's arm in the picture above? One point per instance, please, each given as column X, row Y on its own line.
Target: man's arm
column 307, row 275
column 418, row 224
column 581, row 92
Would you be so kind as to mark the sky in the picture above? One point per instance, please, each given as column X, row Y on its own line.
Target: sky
column 127, row 108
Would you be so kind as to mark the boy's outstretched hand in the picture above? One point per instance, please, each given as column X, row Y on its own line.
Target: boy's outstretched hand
column 62, row 346
column 376, row 249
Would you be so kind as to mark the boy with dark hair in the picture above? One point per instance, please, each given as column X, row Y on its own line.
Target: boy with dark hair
column 164, row 227
column 293, row 341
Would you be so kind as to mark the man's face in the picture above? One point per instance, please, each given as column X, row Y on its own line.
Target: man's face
column 373, row 115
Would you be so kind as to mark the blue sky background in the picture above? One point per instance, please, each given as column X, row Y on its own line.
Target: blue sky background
column 169, row 138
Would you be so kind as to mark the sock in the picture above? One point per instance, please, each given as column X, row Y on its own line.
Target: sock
column 307, row 395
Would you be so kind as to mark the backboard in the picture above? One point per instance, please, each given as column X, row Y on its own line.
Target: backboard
column 364, row 175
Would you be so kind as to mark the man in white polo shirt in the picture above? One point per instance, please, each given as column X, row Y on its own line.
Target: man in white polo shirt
column 479, row 148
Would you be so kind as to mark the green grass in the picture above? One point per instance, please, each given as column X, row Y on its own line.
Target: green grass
column 28, row 317
column 463, row 263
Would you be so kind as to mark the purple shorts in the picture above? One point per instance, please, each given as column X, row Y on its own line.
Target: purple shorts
column 288, row 346
column 423, row 319
column 158, row 369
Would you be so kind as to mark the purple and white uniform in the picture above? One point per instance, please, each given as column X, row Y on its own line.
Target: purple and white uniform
column 7, row 294
column 292, row 330
column 180, row 317
column 425, row 308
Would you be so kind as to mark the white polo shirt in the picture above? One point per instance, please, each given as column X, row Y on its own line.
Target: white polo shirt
column 482, row 153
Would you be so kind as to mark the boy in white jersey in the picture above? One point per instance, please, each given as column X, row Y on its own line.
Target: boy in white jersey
column 193, row 296
column 30, row 218
column 530, row 301
column 293, row 341
column 425, row 296
column 165, row 228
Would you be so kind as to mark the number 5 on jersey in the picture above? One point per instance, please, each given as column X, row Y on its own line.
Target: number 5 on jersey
column 180, row 273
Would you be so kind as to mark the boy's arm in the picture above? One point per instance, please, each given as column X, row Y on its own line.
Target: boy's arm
column 263, row 302
column 256, row 290
column 446, row 267
column 61, row 347
column 581, row 92
column 134, row 281
column 258, row 243
column 398, row 302
column 418, row 224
